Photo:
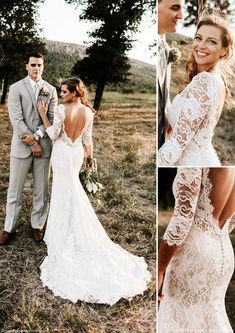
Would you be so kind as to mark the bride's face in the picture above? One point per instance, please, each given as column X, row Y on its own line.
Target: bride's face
column 65, row 94
column 207, row 47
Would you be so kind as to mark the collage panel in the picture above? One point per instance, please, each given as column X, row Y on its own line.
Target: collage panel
column 195, row 162
column 78, row 166
column 196, row 223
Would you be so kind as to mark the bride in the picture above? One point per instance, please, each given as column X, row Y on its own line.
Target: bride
column 82, row 262
column 195, row 112
column 196, row 253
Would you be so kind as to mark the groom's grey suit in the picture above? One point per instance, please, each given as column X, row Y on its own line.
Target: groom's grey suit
column 164, row 78
column 26, row 120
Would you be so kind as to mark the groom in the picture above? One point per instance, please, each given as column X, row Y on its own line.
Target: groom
column 169, row 12
column 30, row 148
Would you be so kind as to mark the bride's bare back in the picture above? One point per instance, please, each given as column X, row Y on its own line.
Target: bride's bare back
column 77, row 118
column 223, row 193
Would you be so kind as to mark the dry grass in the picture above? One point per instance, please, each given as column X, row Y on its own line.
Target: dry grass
column 124, row 137
column 163, row 220
column 224, row 138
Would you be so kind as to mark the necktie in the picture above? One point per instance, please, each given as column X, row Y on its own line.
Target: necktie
column 36, row 91
column 162, row 61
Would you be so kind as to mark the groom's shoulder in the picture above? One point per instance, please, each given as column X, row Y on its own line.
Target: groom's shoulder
column 18, row 84
column 50, row 86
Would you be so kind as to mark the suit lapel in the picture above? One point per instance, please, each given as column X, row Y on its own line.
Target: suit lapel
column 30, row 91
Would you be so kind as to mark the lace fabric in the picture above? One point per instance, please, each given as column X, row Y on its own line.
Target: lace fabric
column 57, row 129
column 193, row 116
column 82, row 262
column 198, row 275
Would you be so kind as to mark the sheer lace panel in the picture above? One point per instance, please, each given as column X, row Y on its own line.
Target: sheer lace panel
column 55, row 130
column 87, row 135
column 194, row 115
column 231, row 223
column 187, row 188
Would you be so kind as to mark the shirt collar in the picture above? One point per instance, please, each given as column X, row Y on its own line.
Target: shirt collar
column 33, row 83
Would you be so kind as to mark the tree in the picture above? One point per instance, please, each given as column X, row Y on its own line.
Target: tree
column 18, row 37
column 106, row 60
column 194, row 7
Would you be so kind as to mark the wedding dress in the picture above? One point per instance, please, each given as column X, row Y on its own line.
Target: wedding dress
column 198, row 275
column 193, row 116
column 82, row 262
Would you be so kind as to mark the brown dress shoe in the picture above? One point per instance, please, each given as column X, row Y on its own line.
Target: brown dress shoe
column 37, row 235
column 6, row 237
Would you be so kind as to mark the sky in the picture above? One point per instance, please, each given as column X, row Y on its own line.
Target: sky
column 61, row 23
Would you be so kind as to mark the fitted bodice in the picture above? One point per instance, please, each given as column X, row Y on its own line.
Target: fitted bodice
column 57, row 130
column 193, row 116
column 198, row 275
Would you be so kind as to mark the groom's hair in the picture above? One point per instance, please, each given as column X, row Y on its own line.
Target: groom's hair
column 34, row 55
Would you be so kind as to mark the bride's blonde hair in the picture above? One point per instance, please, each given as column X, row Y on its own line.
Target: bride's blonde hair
column 226, row 63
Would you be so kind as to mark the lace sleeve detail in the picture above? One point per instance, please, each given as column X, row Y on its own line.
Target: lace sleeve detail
column 197, row 104
column 87, row 135
column 187, row 188
column 54, row 130
column 231, row 223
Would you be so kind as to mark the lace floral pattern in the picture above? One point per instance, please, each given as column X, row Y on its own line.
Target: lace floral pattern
column 82, row 262
column 57, row 130
column 193, row 116
column 187, row 186
column 197, row 277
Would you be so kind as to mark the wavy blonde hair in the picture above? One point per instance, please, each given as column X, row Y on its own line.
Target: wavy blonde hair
column 226, row 64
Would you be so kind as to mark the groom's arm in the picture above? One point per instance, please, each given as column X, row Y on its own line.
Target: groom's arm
column 15, row 112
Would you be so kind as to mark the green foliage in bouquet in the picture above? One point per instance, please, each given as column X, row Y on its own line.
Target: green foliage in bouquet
column 90, row 180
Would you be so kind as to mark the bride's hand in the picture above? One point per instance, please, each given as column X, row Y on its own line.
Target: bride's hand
column 42, row 107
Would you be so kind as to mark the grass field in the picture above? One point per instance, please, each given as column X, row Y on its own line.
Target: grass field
column 124, row 146
column 163, row 220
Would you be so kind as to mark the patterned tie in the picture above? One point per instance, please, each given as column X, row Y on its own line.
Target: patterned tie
column 162, row 61
column 36, row 91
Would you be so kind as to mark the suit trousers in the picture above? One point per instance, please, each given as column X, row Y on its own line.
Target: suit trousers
column 19, row 168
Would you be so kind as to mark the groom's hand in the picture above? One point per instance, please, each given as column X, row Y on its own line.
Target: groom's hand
column 37, row 150
column 28, row 139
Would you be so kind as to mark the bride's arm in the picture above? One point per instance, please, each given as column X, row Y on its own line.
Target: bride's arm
column 193, row 114
column 53, row 130
column 188, row 184
column 87, row 141
column 231, row 224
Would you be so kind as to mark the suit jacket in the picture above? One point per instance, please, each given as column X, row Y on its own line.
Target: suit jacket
column 163, row 100
column 25, row 118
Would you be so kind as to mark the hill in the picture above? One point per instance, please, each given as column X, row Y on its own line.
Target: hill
column 62, row 56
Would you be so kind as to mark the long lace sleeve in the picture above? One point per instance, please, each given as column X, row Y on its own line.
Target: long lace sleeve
column 231, row 223
column 87, row 135
column 54, row 130
column 187, row 188
column 193, row 116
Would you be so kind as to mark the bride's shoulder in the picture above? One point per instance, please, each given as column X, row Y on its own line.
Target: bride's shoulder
column 60, row 109
column 89, row 112
column 206, row 76
column 205, row 80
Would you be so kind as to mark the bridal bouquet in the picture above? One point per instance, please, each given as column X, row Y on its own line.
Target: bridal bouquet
column 89, row 179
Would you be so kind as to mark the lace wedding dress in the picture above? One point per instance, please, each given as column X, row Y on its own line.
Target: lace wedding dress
column 193, row 116
column 198, row 275
column 82, row 262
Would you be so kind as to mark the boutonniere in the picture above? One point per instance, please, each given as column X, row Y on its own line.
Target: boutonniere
column 44, row 91
column 174, row 55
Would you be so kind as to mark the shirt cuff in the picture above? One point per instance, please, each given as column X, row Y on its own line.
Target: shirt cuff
column 39, row 132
